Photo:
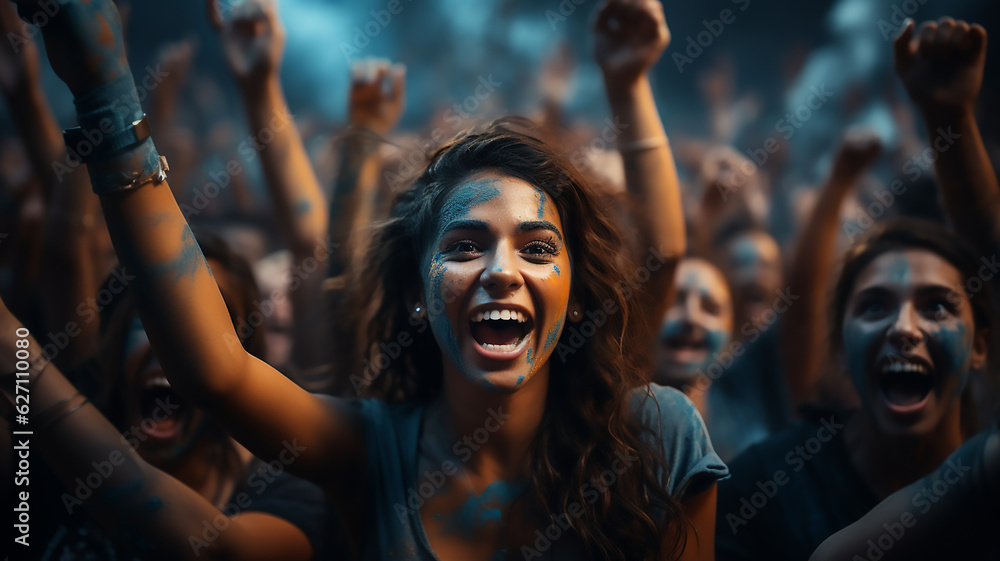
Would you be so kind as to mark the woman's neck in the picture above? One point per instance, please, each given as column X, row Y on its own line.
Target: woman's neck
column 499, row 427
column 889, row 463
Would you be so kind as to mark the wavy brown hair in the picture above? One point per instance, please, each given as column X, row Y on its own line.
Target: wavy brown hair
column 589, row 420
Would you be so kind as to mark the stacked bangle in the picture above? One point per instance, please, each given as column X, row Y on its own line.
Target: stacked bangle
column 59, row 410
column 642, row 145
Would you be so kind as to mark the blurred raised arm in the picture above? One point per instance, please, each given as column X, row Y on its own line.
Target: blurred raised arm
column 630, row 37
column 941, row 65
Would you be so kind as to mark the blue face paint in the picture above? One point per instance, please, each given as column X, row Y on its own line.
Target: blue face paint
column 531, row 359
column 520, row 379
column 135, row 338
column 954, row 347
column 556, row 267
column 541, row 203
column 464, row 198
column 553, row 334
column 440, row 323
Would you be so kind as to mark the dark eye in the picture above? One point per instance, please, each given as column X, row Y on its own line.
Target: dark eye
column 871, row 308
column 540, row 249
column 938, row 309
column 464, row 247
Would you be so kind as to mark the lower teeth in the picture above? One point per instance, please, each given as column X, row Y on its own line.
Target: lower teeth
column 499, row 348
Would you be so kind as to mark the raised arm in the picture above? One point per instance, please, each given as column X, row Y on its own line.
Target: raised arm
column 377, row 100
column 68, row 275
column 145, row 508
column 941, row 66
column 805, row 331
column 631, row 36
column 188, row 323
column 253, row 40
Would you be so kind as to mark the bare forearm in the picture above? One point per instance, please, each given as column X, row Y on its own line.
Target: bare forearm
column 968, row 182
column 812, row 265
column 354, row 188
column 651, row 180
column 299, row 204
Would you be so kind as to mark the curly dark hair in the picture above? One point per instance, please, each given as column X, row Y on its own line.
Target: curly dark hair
column 589, row 420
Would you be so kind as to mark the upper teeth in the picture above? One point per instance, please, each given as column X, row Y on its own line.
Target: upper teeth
column 159, row 381
column 904, row 367
column 498, row 314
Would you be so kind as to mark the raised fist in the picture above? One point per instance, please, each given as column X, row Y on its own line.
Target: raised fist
column 631, row 36
column 941, row 65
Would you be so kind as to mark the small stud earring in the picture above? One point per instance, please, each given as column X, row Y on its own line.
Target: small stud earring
column 416, row 310
column 576, row 313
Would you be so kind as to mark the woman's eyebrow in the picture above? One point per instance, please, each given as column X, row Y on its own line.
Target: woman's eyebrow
column 476, row 225
column 538, row 225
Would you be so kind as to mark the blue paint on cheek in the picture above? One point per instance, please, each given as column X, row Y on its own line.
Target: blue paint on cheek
column 531, row 359
column 519, row 380
column 857, row 345
column 670, row 328
column 440, row 324
column 556, row 267
column 955, row 349
column 551, row 337
column 714, row 340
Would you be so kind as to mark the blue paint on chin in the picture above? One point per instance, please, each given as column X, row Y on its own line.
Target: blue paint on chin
column 519, row 380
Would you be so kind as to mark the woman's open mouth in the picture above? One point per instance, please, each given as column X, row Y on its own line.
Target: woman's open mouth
column 905, row 385
column 686, row 348
column 500, row 333
column 165, row 415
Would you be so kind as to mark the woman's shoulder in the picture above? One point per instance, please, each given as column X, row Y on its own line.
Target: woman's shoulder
column 673, row 424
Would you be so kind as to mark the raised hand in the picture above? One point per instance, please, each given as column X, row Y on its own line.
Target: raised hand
column 378, row 95
column 252, row 37
column 83, row 41
column 858, row 150
column 941, row 65
column 631, row 36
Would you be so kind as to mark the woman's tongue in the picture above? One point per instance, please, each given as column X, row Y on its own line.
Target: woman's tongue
column 496, row 333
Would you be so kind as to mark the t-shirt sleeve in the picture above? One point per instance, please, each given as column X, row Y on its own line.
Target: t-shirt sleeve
column 675, row 424
column 291, row 498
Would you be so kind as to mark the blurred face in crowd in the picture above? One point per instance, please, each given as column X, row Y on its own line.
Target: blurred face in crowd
column 697, row 326
column 497, row 281
column 909, row 340
column 753, row 265
column 164, row 425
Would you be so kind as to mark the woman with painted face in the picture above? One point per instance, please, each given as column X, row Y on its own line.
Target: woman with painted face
column 909, row 335
column 142, row 435
column 506, row 432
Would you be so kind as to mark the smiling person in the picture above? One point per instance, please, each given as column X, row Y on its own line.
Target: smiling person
column 493, row 445
column 909, row 335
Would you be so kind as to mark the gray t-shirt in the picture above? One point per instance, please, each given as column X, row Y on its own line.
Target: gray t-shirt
column 392, row 434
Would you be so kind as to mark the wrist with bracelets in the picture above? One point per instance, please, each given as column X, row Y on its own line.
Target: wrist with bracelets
column 113, row 138
column 46, row 418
